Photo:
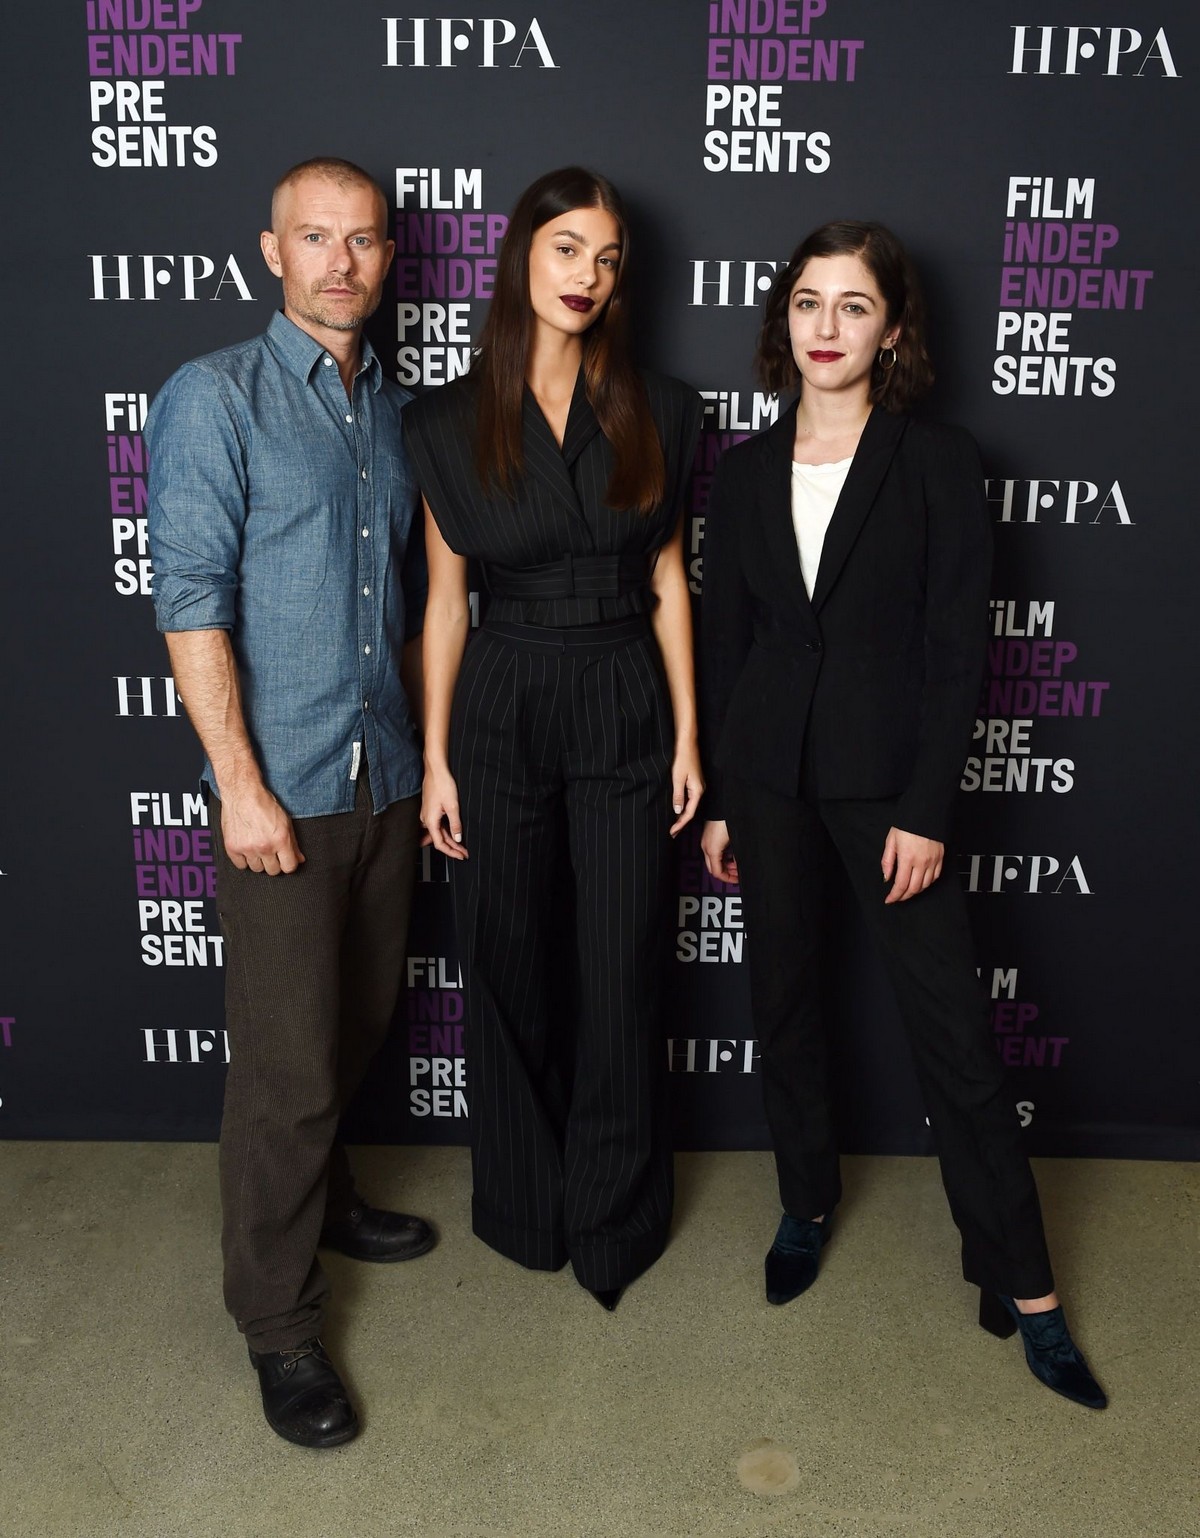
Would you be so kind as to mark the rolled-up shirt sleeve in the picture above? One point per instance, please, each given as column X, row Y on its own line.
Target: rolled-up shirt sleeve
column 196, row 501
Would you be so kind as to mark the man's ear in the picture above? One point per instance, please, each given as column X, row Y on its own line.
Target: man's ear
column 270, row 251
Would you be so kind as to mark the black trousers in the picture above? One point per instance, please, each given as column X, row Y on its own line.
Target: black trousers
column 314, row 962
column 926, row 944
column 561, row 745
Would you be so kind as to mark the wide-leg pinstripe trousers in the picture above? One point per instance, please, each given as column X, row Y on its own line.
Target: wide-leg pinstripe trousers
column 561, row 746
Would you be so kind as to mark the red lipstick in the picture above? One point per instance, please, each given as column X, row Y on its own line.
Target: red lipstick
column 580, row 303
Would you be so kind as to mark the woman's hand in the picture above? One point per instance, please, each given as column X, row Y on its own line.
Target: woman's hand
column 916, row 863
column 718, row 860
column 440, row 815
column 687, row 785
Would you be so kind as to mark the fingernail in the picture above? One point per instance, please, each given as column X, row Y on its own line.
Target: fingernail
column 458, row 838
column 679, row 809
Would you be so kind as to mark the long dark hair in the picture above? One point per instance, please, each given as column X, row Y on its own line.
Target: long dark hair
column 896, row 388
column 614, row 387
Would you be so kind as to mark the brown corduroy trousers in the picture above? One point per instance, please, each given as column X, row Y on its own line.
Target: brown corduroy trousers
column 314, row 962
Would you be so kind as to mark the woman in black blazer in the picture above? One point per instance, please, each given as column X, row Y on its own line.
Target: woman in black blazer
column 846, row 569
column 561, row 742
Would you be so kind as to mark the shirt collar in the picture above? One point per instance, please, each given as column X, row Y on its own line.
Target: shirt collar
column 301, row 353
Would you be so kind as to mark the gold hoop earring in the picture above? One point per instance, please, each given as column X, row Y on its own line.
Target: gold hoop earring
column 887, row 367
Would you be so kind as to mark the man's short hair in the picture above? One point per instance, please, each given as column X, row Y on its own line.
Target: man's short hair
column 342, row 172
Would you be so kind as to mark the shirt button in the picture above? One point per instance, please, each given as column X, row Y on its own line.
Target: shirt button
column 366, row 651
column 328, row 362
column 366, row 592
column 349, row 419
column 364, row 475
column 366, row 704
column 366, row 533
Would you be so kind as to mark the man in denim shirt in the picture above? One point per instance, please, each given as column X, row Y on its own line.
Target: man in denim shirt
column 280, row 516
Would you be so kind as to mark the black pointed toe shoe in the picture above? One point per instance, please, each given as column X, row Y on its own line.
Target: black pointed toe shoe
column 303, row 1398
column 371, row 1233
column 794, row 1257
column 1053, row 1356
column 607, row 1297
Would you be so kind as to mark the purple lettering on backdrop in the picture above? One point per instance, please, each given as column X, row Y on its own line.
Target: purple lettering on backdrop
column 708, row 452
column 1080, row 243
column 436, row 1038
column 127, row 495
column 446, row 278
column 1032, row 1051
column 6, row 1024
column 1011, row 1015
column 443, row 1005
column 175, row 880
column 1009, row 689
column 799, row 59
column 423, row 233
column 147, row 55
column 171, row 845
column 1013, row 659
column 1008, row 697
column 126, row 454
column 712, row 445
column 1066, row 288
column 427, row 267
column 141, row 15
column 786, row 17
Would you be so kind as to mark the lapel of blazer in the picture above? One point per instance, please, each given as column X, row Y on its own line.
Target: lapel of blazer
column 775, row 504
column 880, row 435
column 543, row 457
column 582, row 425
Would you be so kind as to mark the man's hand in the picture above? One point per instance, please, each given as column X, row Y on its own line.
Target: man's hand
column 916, row 863
column 258, row 833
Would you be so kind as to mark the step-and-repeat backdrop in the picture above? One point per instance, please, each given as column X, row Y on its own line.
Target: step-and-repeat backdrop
column 1035, row 158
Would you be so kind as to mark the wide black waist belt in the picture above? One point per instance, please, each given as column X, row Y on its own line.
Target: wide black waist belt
column 575, row 576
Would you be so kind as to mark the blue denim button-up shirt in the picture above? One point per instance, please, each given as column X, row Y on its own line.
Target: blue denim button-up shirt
column 282, row 511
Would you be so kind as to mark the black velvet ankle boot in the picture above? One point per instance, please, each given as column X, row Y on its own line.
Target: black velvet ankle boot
column 1052, row 1355
column 794, row 1257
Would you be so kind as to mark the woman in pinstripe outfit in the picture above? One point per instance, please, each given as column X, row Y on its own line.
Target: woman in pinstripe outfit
column 561, row 746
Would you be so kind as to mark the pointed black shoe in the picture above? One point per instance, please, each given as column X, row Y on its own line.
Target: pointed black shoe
column 303, row 1398
column 607, row 1297
column 794, row 1257
column 372, row 1233
column 1053, row 1356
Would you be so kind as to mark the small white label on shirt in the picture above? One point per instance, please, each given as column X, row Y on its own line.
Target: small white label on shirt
column 355, row 760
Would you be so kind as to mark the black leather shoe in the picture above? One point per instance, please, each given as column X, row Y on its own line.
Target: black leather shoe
column 607, row 1297
column 370, row 1233
column 794, row 1258
column 1053, row 1357
column 303, row 1398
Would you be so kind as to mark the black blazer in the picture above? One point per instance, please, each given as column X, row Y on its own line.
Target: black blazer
column 877, row 676
column 558, row 510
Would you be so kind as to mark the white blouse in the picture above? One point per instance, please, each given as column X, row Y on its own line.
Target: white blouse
column 815, row 491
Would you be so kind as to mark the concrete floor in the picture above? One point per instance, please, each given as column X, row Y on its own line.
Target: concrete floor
column 502, row 1404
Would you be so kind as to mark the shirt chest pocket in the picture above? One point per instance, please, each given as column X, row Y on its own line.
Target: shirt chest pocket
column 396, row 494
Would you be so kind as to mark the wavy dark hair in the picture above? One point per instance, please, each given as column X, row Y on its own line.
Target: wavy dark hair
column 895, row 389
column 614, row 387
